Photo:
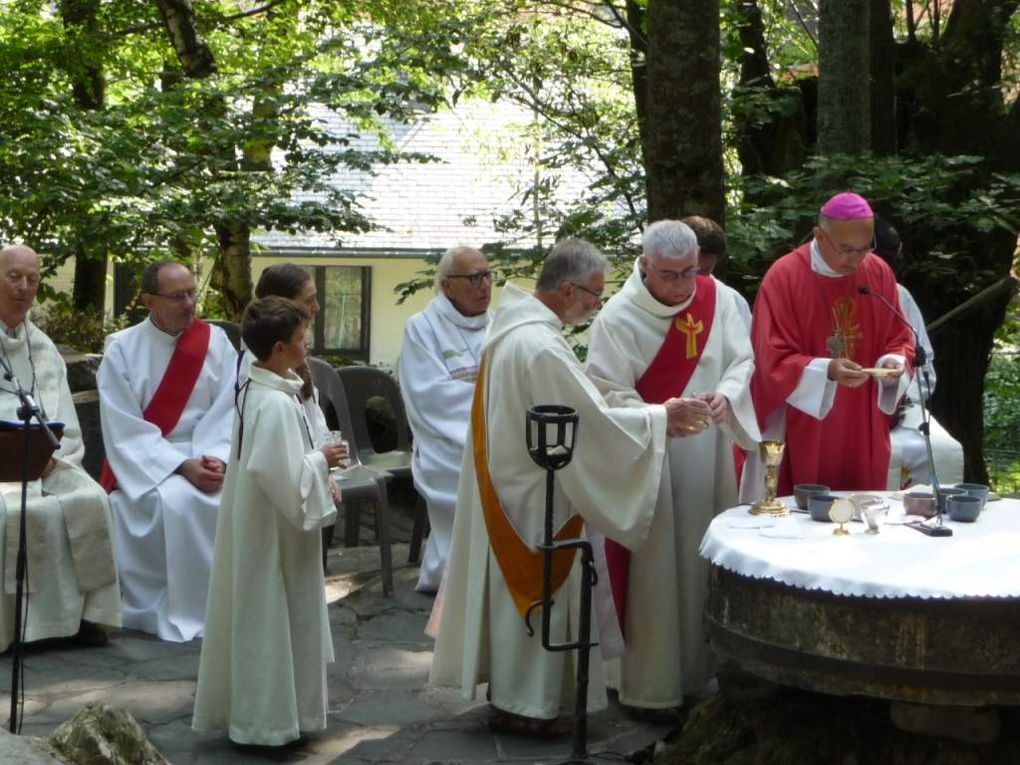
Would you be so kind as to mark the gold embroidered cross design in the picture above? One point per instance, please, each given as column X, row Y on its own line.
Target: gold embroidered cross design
column 846, row 333
column 691, row 330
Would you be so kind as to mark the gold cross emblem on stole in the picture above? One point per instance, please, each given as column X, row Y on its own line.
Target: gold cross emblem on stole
column 691, row 330
column 846, row 333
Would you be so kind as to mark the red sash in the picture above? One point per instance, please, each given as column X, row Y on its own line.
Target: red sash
column 666, row 377
column 521, row 566
column 174, row 390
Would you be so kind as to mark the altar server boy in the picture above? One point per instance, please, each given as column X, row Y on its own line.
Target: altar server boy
column 262, row 674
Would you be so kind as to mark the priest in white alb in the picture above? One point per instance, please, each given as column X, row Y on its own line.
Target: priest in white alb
column 71, row 581
column 495, row 572
column 437, row 371
column 166, row 391
column 672, row 333
column 908, row 462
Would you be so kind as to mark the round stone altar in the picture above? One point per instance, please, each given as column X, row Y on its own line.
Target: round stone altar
column 934, row 649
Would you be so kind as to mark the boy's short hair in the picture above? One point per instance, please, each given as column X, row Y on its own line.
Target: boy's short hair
column 269, row 320
column 711, row 237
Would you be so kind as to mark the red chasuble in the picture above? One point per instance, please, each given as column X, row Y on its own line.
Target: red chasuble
column 174, row 390
column 666, row 377
column 800, row 315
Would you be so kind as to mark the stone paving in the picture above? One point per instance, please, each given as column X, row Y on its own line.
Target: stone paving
column 381, row 708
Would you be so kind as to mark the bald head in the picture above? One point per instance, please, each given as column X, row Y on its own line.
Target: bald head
column 19, row 269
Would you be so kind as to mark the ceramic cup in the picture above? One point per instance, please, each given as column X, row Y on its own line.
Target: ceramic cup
column 978, row 490
column 964, row 508
column 919, row 503
column 818, row 506
column 802, row 492
column 945, row 494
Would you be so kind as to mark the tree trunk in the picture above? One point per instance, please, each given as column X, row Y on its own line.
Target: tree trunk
column 638, row 66
column 844, row 95
column 233, row 271
column 954, row 104
column 89, row 88
column 683, row 148
column 883, row 75
column 766, row 145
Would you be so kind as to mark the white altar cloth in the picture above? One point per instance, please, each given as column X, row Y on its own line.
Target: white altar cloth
column 980, row 560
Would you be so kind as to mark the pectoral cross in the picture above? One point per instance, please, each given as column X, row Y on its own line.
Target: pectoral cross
column 846, row 334
column 691, row 330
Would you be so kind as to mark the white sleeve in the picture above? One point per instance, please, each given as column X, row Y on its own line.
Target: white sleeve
column 815, row 393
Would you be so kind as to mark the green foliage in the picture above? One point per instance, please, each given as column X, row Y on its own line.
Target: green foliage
column 85, row 331
column 1002, row 406
column 937, row 203
column 167, row 158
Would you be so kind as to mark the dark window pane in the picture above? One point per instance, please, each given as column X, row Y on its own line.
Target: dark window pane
column 344, row 309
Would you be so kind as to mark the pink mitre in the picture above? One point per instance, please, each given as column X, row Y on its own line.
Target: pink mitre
column 847, row 206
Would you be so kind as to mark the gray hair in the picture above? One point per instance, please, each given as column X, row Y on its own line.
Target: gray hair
column 445, row 265
column 668, row 238
column 570, row 260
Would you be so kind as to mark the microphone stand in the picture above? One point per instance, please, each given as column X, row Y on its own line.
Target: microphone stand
column 26, row 411
column 920, row 361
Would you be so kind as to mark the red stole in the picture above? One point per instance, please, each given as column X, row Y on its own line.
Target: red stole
column 801, row 315
column 174, row 390
column 666, row 377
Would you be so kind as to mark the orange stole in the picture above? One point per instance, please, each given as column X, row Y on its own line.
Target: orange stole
column 521, row 566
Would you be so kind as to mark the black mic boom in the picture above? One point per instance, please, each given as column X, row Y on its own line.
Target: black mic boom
column 920, row 354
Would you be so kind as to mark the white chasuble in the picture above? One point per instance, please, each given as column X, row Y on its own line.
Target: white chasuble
column 164, row 526
column 437, row 370
column 611, row 481
column 262, row 673
column 71, row 574
column 666, row 654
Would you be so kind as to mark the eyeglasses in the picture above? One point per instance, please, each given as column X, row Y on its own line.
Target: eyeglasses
column 668, row 275
column 848, row 251
column 177, row 297
column 593, row 293
column 475, row 279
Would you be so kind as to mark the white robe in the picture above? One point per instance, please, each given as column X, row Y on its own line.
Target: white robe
column 262, row 672
column 437, row 370
column 611, row 481
column 71, row 573
column 163, row 525
column 667, row 654
column 908, row 462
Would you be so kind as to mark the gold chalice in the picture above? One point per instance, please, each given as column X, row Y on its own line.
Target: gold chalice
column 771, row 453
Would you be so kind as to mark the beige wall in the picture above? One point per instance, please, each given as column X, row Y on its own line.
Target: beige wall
column 387, row 319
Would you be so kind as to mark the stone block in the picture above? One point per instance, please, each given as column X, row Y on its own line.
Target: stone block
column 81, row 370
column 86, row 403
column 102, row 735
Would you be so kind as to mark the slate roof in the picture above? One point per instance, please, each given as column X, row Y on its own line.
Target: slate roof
column 483, row 162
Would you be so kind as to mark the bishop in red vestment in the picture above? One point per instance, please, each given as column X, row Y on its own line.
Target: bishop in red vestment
column 815, row 335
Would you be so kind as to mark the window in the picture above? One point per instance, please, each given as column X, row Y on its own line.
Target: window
column 343, row 323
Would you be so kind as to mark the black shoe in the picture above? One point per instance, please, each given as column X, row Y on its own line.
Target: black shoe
column 90, row 635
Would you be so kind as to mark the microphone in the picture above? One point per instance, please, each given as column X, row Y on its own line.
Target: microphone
column 920, row 359
column 920, row 355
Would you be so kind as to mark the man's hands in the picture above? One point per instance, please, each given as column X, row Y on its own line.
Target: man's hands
column 686, row 416
column 846, row 372
column 850, row 374
column 335, row 453
column 204, row 473
column 718, row 404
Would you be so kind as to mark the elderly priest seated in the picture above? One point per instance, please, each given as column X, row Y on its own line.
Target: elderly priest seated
column 72, row 582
